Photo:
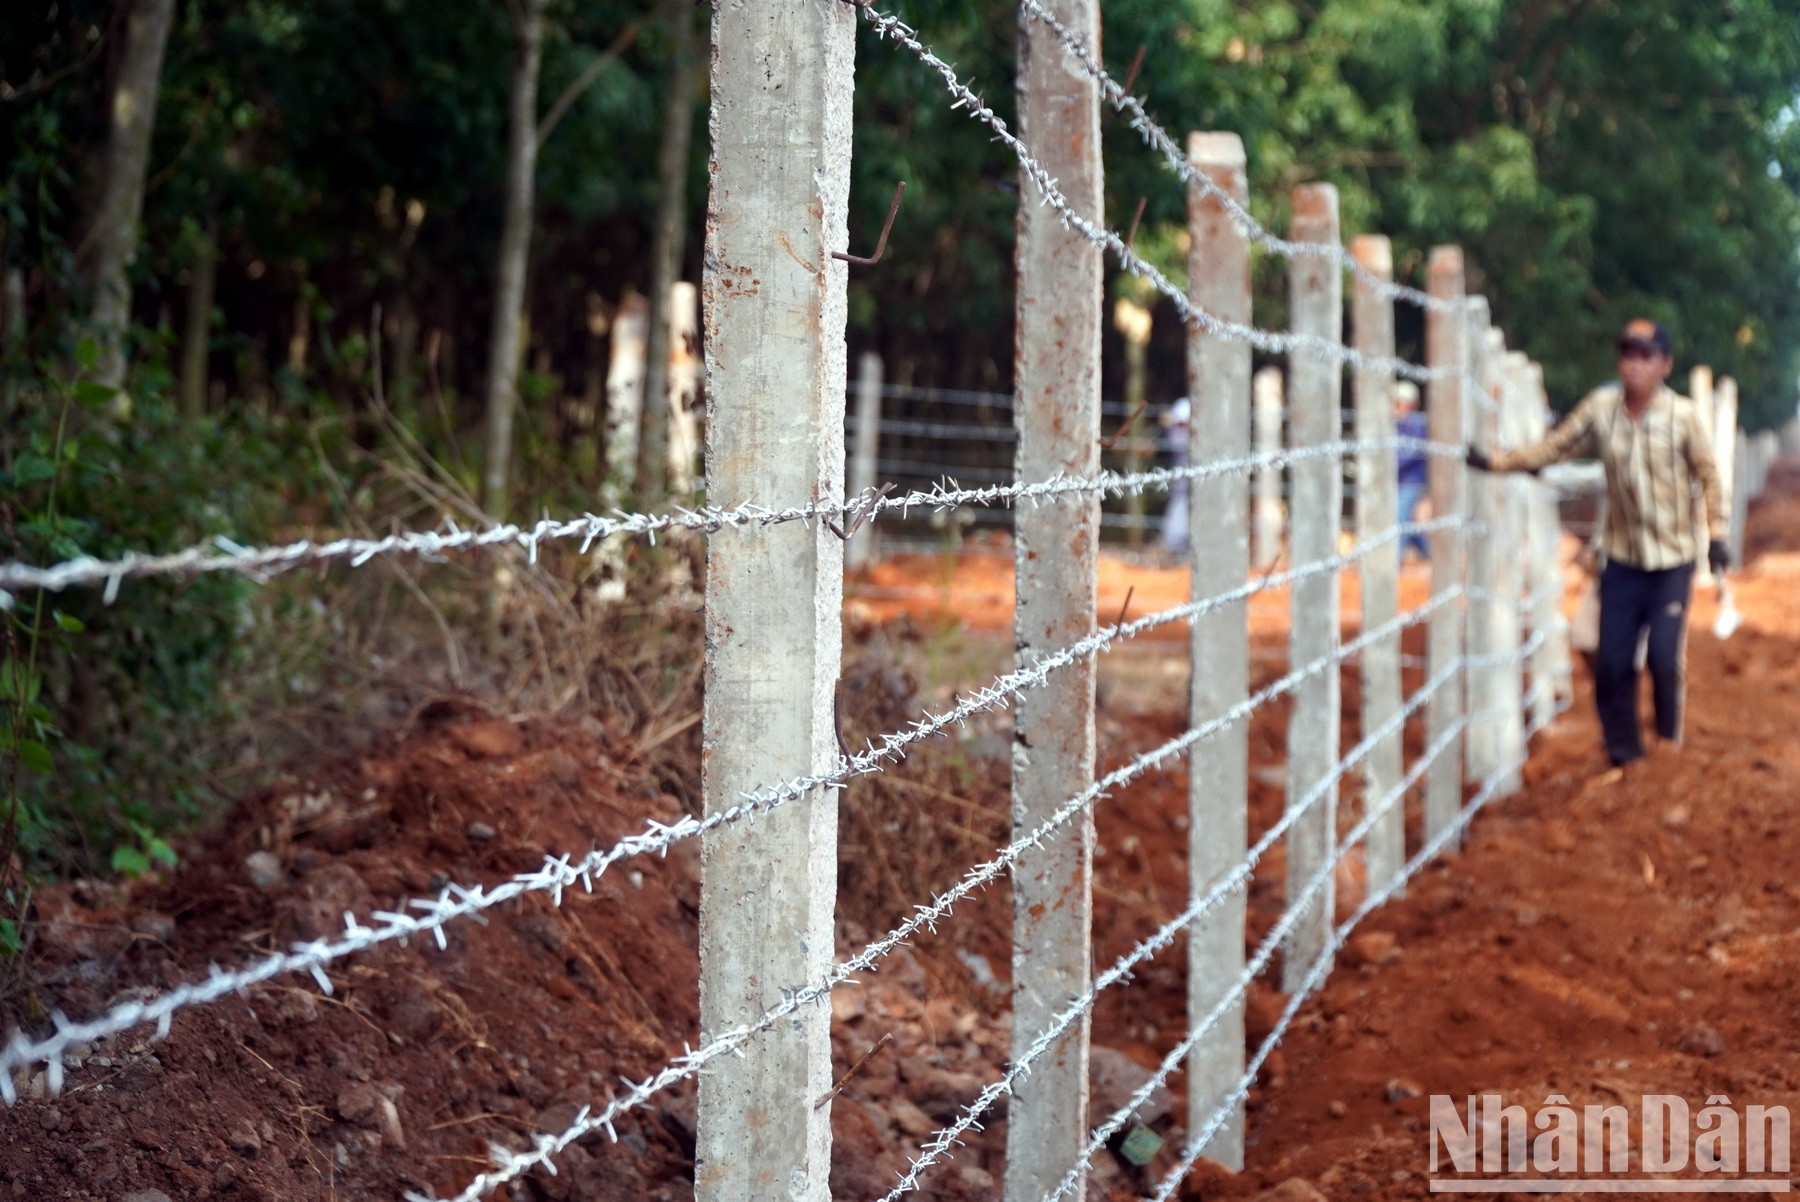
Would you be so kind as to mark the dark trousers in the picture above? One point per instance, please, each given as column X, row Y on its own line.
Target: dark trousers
column 1632, row 600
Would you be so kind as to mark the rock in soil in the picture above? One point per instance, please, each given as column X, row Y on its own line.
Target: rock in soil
column 1701, row 1039
column 1294, row 1189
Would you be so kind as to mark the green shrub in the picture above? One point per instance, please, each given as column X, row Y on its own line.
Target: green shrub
column 112, row 710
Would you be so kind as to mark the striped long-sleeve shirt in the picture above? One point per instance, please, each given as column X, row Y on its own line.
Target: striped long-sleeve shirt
column 1655, row 465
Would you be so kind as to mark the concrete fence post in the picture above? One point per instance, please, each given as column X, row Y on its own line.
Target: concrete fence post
column 1483, row 549
column 1377, row 513
column 1061, row 292
column 775, row 362
column 684, row 387
column 624, row 397
column 1724, row 447
column 1701, row 391
column 1267, row 405
column 867, row 444
column 624, row 411
column 1561, row 663
column 1446, row 338
column 1218, row 777
column 1746, row 491
column 1315, row 391
column 1544, row 556
column 1510, row 573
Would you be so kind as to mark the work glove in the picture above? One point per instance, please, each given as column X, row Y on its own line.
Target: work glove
column 1478, row 459
column 1718, row 555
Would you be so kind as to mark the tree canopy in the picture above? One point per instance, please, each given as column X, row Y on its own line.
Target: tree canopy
column 1596, row 159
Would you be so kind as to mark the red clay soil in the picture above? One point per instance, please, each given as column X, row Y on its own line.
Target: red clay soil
column 976, row 589
column 1603, row 935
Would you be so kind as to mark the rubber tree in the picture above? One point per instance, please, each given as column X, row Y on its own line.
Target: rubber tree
column 525, row 135
column 112, row 241
column 196, row 331
column 667, row 247
column 506, row 335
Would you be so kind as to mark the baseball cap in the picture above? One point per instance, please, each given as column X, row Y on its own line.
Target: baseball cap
column 1644, row 334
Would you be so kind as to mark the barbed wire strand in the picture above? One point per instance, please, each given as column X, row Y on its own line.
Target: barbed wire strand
column 1155, row 136
column 510, row 1164
column 1197, row 1145
column 223, row 555
column 559, row 872
column 1265, row 952
column 1171, row 1062
column 1271, row 341
column 940, row 1145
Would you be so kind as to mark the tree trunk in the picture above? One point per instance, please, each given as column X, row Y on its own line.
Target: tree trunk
column 666, row 251
column 12, row 338
column 112, row 238
column 403, row 367
column 196, row 331
column 506, row 339
column 300, row 337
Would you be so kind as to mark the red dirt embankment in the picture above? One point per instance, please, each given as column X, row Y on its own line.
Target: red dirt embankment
column 1602, row 936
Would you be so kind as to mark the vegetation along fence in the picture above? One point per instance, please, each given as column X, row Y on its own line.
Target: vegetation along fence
column 778, row 521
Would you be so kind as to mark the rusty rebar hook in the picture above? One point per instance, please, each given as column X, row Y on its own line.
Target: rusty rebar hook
column 1131, row 235
column 860, row 510
column 886, row 226
column 1113, row 440
column 1131, row 75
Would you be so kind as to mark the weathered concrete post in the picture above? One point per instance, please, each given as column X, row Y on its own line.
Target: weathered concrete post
column 1266, row 403
column 1218, row 778
column 1446, row 336
column 1744, row 493
column 1563, row 664
column 624, row 406
column 1315, row 392
column 1700, row 389
column 684, row 387
column 775, row 363
column 1057, row 379
column 1544, row 555
column 624, row 397
column 1377, row 513
column 867, row 444
column 1509, row 572
column 1483, row 549
column 1724, row 447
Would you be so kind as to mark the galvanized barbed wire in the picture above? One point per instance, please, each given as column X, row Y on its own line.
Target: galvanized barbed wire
column 510, row 1165
column 1196, row 1146
column 1115, row 1123
column 1155, row 136
column 223, row 555
column 1271, row 341
column 558, row 872
column 947, row 1137
column 1265, row 952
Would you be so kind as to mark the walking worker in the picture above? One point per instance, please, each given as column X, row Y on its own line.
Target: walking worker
column 1414, row 476
column 1657, row 454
